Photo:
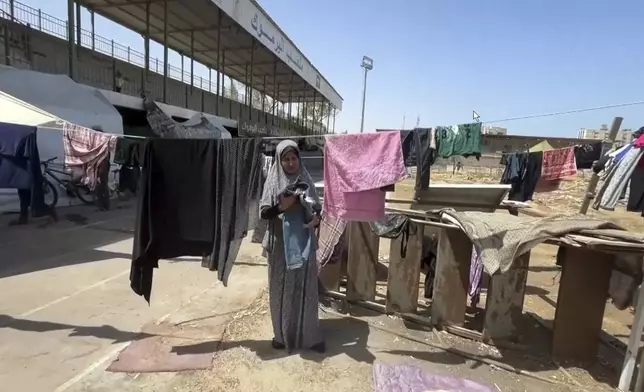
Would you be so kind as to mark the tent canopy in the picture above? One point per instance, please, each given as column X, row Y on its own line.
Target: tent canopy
column 45, row 98
column 541, row 146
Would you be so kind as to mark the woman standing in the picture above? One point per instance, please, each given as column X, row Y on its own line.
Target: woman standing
column 293, row 286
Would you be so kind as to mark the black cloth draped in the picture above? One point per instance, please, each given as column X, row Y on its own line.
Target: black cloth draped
column 193, row 200
column 238, row 186
column 417, row 152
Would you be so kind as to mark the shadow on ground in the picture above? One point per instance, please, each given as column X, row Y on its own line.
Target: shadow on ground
column 75, row 240
column 531, row 353
column 342, row 336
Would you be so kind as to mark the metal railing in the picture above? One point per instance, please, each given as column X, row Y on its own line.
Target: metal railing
column 38, row 20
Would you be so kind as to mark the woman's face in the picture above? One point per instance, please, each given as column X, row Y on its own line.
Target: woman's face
column 290, row 162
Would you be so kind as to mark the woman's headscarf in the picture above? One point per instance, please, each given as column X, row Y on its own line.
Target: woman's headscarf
column 278, row 179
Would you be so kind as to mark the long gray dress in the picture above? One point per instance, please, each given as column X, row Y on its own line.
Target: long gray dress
column 293, row 297
column 293, row 293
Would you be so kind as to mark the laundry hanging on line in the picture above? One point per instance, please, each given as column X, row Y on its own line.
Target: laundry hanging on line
column 165, row 127
column 355, row 168
column 558, row 163
column 460, row 140
column 636, row 190
column 129, row 154
column 85, row 150
column 238, row 178
column 195, row 200
column 419, row 149
column 621, row 174
column 20, row 165
column 523, row 173
column 537, row 171
column 620, row 170
column 261, row 225
column 331, row 234
column 587, row 154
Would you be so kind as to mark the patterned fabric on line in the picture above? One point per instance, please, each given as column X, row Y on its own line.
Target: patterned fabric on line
column 331, row 230
column 612, row 189
column 86, row 149
column 558, row 163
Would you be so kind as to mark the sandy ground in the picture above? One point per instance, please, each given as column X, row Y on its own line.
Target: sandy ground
column 67, row 310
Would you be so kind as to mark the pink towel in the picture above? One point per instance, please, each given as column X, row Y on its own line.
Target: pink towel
column 355, row 168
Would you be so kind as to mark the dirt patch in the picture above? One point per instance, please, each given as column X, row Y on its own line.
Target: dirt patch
column 246, row 361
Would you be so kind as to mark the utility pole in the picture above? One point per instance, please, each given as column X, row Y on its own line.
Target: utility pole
column 367, row 64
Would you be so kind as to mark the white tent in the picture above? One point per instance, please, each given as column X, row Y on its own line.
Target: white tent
column 40, row 100
column 61, row 97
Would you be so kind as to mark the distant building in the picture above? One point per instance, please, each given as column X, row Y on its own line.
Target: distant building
column 624, row 136
column 487, row 130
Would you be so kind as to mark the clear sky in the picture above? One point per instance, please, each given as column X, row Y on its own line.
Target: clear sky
column 441, row 59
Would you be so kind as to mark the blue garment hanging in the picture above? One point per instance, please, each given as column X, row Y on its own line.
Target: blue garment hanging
column 20, row 163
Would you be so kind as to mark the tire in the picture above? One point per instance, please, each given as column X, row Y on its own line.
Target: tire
column 50, row 191
column 85, row 195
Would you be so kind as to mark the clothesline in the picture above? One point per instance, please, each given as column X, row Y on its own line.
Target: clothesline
column 60, row 121
column 527, row 149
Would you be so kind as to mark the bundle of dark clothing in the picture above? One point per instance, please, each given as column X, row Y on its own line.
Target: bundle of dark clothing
column 129, row 154
column 20, row 168
column 638, row 133
column 587, row 154
column 196, row 198
column 636, row 190
column 522, row 172
column 418, row 151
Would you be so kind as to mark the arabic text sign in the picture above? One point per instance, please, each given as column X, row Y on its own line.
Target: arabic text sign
column 256, row 22
column 250, row 129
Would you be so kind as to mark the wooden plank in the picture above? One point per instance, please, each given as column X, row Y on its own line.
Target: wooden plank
column 504, row 307
column 361, row 266
column 630, row 359
column 452, row 278
column 404, row 272
column 594, row 179
column 581, row 301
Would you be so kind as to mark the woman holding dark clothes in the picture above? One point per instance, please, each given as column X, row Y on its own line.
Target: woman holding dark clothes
column 293, row 290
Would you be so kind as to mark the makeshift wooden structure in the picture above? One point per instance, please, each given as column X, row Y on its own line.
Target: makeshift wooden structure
column 583, row 288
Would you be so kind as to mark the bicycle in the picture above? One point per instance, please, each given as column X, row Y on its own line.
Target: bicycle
column 72, row 188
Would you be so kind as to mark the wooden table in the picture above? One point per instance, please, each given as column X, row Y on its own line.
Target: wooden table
column 583, row 290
